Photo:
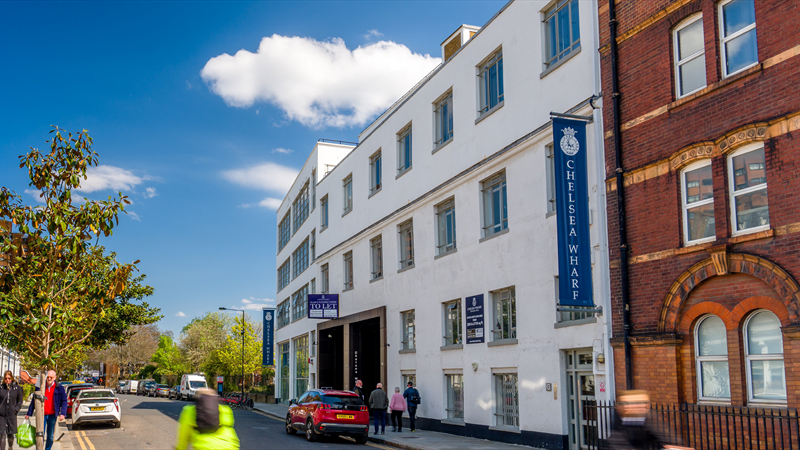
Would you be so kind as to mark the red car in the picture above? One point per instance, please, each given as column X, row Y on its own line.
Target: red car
column 72, row 394
column 328, row 412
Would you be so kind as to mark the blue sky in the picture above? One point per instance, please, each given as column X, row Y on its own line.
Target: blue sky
column 204, row 143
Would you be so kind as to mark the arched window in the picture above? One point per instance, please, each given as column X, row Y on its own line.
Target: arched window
column 711, row 350
column 766, row 379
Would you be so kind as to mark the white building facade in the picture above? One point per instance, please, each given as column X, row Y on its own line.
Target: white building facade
column 449, row 196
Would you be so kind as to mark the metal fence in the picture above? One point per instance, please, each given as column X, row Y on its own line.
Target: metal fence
column 704, row 427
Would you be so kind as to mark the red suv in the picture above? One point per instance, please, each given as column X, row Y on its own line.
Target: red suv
column 72, row 394
column 336, row 413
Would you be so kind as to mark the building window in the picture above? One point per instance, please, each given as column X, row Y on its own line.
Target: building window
column 404, row 150
column 550, row 176
column 283, row 313
column 748, row 188
column 283, row 372
column 711, row 351
column 453, row 333
column 326, row 288
column 284, row 232
column 690, row 57
column 446, row 227
column 323, row 213
column 507, row 400
column 409, row 377
column 406, row 235
column 505, row 314
column 567, row 316
column 284, row 274
column 766, row 379
column 443, row 120
column 300, row 364
column 409, row 342
column 698, row 203
column 490, row 83
column 737, row 23
column 347, row 270
column 455, row 396
column 300, row 303
column 375, row 177
column 313, row 285
column 313, row 244
column 300, row 207
column 495, row 204
column 313, row 344
column 347, row 194
column 313, row 189
column 300, row 258
column 562, row 31
column 376, row 257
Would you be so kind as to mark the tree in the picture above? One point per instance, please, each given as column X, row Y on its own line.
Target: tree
column 229, row 359
column 134, row 353
column 169, row 358
column 202, row 338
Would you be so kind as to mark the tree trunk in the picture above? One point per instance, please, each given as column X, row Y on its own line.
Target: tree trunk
column 39, row 409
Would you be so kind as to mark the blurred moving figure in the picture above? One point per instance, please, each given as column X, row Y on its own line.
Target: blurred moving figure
column 206, row 425
column 631, row 431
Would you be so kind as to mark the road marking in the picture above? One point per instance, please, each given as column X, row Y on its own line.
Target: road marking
column 80, row 442
column 88, row 442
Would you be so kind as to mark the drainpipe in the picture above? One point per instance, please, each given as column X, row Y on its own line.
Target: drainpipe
column 623, row 240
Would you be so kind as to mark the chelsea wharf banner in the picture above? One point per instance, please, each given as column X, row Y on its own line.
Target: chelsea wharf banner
column 572, row 213
column 267, row 357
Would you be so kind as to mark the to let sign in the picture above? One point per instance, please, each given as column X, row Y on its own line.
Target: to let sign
column 475, row 319
column 323, row 306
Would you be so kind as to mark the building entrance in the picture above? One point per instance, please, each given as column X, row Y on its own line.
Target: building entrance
column 365, row 355
column 331, row 358
column 579, row 395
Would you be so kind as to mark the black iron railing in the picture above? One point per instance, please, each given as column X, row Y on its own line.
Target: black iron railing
column 704, row 427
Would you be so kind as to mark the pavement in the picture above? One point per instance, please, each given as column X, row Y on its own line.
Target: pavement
column 418, row 440
column 62, row 435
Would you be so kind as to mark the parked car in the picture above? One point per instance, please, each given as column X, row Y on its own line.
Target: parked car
column 121, row 386
column 132, row 386
column 190, row 384
column 329, row 412
column 162, row 390
column 151, row 389
column 96, row 405
column 72, row 394
column 144, row 387
column 174, row 392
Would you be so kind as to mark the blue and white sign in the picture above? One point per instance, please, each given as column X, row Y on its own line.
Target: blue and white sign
column 572, row 211
column 267, row 357
column 475, row 319
column 323, row 306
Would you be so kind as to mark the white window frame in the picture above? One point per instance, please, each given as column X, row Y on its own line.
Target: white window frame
column 285, row 230
column 500, row 180
column 347, row 194
column 405, row 163
column 450, row 336
column 313, row 245
column 347, row 271
column 511, row 326
column 283, row 314
column 451, row 403
column 500, row 416
column 323, row 204
column 376, row 257
column 284, row 274
column 443, row 210
column 300, row 208
column 679, row 62
column 484, row 99
column 325, row 279
column 300, row 259
column 733, row 193
column 300, row 303
column 686, row 207
column 409, row 337
column 701, row 359
column 724, row 40
column 405, row 254
column 552, row 61
column 748, row 358
column 375, row 173
column 441, row 137
column 550, row 177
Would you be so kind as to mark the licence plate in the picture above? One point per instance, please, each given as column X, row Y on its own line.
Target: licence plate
column 345, row 416
column 97, row 408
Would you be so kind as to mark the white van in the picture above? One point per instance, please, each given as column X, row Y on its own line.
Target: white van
column 132, row 387
column 190, row 384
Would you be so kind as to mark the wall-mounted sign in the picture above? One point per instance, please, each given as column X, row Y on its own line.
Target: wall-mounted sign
column 267, row 357
column 572, row 213
column 323, row 306
column 475, row 319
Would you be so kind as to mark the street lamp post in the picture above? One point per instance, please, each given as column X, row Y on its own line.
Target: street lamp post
column 243, row 330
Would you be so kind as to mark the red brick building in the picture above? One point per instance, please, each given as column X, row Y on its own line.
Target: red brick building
column 709, row 128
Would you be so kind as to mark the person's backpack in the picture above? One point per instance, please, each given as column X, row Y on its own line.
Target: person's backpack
column 207, row 414
column 415, row 397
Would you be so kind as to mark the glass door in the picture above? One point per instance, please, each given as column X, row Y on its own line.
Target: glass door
column 580, row 398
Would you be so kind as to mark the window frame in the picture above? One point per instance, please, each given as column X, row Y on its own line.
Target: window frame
column 452, row 412
column 405, row 141
column 701, row 359
column 405, row 256
column 702, row 202
column 484, row 96
column 375, row 173
column 301, row 208
column 500, row 416
column 325, row 278
column 511, row 326
column 347, row 194
column 323, row 204
column 300, row 303
column 347, row 271
column 489, row 184
column 376, row 257
column 451, row 337
column 409, row 337
column 677, row 62
column 284, row 279
column 770, row 357
column 733, row 193
column 300, row 259
column 552, row 61
column 724, row 40
column 550, row 177
column 283, row 313
column 443, row 209
column 285, row 230
column 439, row 132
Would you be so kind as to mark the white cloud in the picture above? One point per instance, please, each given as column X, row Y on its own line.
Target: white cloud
column 318, row 83
column 372, row 33
column 282, row 151
column 133, row 216
column 188, row 85
column 36, row 194
column 255, row 304
column 150, row 192
column 180, row 314
column 268, row 177
column 270, row 203
column 108, row 177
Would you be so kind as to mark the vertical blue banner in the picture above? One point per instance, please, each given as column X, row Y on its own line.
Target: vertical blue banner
column 267, row 357
column 572, row 213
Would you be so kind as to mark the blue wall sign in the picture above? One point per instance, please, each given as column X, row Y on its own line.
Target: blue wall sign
column 475, row 319
column 572, row 211
column 267, row 357
column 323, row 306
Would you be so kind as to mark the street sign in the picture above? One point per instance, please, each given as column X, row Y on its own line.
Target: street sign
column 267, row 356
column 475, row 319
column 323, row 306
column 220, row 378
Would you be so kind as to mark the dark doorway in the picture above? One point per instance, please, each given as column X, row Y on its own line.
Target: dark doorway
column 331, row 358
column 365, row 353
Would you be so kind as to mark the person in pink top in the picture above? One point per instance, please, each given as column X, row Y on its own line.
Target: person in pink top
column 397, row 404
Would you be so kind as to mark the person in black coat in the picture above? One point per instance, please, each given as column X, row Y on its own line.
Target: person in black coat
column 10, row 404
column 631, row 429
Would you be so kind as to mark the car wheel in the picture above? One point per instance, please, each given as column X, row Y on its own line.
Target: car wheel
column 311, row 435
column 118, row 424
column 289, row 428
column 76, row 426
column 361, row 440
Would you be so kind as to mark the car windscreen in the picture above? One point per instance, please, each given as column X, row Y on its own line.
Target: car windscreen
column 74, row 392
column 342, row 400
column 96, row 394
column 163, row 386
column 197, row 384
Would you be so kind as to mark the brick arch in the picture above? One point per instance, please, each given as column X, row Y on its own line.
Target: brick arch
column 689, row 317
column 721, row 264
column 748, row 305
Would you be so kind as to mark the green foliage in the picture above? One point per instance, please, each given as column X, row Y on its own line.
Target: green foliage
column 229, row 359
column 202, row 339
column 148, row 371
column 168, row 358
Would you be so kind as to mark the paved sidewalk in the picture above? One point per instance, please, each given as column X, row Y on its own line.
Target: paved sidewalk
column 418, row 440
column 65, row 443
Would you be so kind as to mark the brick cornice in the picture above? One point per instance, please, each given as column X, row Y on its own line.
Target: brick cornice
column 650, row 340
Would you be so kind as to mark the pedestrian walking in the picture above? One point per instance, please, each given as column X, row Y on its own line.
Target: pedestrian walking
column 206, row 425
column 630, row 430
column 378, row 402
column 10, row 404
column 55, row 407
column 397, row 405
column 359, row 390
column 413, row 400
